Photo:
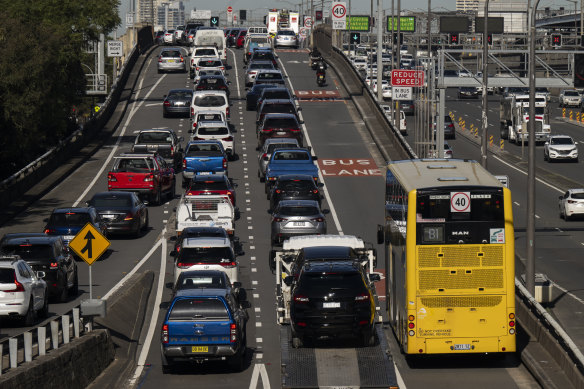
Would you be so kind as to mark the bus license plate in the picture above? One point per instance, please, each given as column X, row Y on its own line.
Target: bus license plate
column 331, row 305
column 200, row 349
column 462, row 346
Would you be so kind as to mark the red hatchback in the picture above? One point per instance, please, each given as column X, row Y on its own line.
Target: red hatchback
column 240, row 42
column 213, row 184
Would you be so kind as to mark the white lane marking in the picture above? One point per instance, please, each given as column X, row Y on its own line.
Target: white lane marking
column 251, row 237
column 155, row 313
column 252, row 247
column 248, row 209
column 253, row 258
column 151, row 104
column 258, row 323
column 254, row 270
column 320, row 176
column 259, row 370
column 537, row 217
column 236, row 72
column 259, row 340
column 256, row 295
column 257, row 309
column 516, row 203
column 567, row 292
column 115, row 148
column 525, row 173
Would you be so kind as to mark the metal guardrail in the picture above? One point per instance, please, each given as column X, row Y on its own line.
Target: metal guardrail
column 25, row 347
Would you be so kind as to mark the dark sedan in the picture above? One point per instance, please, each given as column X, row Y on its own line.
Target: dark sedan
column 213, row 83
column 123, row 212
column 212, row 184
column 254, row 94
column 294, row 187
column 408, row 107
column 177, row 102
column 468, row 92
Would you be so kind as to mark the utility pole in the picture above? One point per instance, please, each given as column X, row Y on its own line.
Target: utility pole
column 485, row 124
column 379, row 25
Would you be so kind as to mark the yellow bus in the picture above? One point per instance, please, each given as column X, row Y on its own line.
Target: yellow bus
column 449, row 257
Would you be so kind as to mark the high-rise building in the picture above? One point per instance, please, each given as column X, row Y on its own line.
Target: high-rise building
column 467, row 5
column 173, row 13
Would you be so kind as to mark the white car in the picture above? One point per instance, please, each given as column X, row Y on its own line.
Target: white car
column 572, row 203
column 386, row 92
column 360, row 63
column 19, row 287
column 403, row 129
column 570, row 98
column 202, row 52
column 207, row 116
column 207, row 253
column 216, row 131
column 464, row 73
column 210, row 100
column 560, row 147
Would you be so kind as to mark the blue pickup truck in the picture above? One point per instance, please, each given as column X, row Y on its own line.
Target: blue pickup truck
column 203, row 157
column 203, row 325
column 290, row 161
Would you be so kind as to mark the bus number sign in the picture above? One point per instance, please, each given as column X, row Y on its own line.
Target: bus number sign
column 460, row 202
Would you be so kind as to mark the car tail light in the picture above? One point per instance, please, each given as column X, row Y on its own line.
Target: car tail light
column 300, row 298
column 295, row 129
column 18, row 287
column 300, row 324
column 192, row 111
column 228, row 139
column 165, row 333
column 184, row 164
column 222, row 87
column 318, row 219
column 194, row 124
column 279, row 219
column 264, row 155
column 253, row 73
column 197, row 138
column 572, row 202
column 54, row 264
column 363, row 322
column 159, row 59
column 362, row 297
column 172, row 150
column 129, row 216
column 184, row 265
column 315, row 191
column 111, row 178
column 167, row 103
column 200, row 87
column 228, row 264
column 233, row 333
column 149, row 178
column 224, row 163
column 182, row 59
column 315, row 179
column 278, row 191
column 227, row 112
column 222, row 68
column 49, row 231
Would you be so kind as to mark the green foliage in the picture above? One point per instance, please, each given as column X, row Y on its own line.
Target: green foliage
column 41, row 76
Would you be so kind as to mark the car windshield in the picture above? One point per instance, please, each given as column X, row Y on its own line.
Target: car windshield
column 205, row 52
column 298, row 211
column 30, row 252
column 295, row 185
column 259, row 40
column 325, row 282
column 280, row 123
column 210, row 72
column 133, row 165
column 104, row 202
column 209, row 101
column 70, row 219
column 212, row 131
column 170, row 54
column 571, row 93
column 209, row 185
column 211, row 81
column 275, row 146
column 7, row 276
column 269, row 76
column 198, row 309
column 291, row 156
column 291, row 33
column 154, row 138
column 206, row 254
column 207, row 117
column 180, row 95
column 578, row 196
column 562, row 141
column 276, row 94
column 210, row 63
column 262, row 55
column 261, row 66
column 195, row 150
column 200, row 281
column 278, row 108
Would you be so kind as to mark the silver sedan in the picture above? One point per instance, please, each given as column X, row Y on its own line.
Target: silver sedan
column 286, row 38
column 171, row 60
column 297, row 217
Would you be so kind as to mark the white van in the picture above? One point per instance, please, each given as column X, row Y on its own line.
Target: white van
column 215, row 38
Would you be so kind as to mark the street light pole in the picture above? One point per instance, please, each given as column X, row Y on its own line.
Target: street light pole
column 530, row 270
column 485, row 123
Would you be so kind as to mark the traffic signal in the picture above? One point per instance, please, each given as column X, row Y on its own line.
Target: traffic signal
column 242, row 14
column 214, row 21
column 490, row 39
column 557, row 40
column 578, row 70
column 318, row 15
column 453, row 39
column 355, row 38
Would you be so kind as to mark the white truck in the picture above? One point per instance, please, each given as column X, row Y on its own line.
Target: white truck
column 282, row 262
column 282, row 20
column 514, row 118
column 205, row 211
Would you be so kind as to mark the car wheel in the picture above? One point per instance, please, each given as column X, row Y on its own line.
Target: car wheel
column 146, row 223
column 28, row 318
column 368, row 338
column 44, row 311
column 297, row 342
column 545, row 157
column 164, row 114
column 167, row 369
column 157, row 199
column 75, row 287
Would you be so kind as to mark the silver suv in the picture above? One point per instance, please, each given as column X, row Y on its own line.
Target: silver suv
column 570, row 98
column 560, row 147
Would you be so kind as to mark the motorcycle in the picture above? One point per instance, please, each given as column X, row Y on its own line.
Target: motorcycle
column 320, row 78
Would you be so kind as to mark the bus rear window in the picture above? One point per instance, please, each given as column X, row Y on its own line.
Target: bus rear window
column 445, row 206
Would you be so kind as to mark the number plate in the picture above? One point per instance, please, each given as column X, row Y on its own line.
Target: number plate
column 462, row 347
column 331, row 305
column 298, row 224
column 68, row 237
column 281, row 132
column 108, row 216
column 204, row 173
column 199, row 349
column 170, row 60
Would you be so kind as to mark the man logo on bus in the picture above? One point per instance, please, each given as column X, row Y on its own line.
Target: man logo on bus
column 497, row 235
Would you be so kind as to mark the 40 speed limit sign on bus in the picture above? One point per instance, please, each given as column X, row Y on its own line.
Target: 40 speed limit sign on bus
column 459, row 201
column 339, row 15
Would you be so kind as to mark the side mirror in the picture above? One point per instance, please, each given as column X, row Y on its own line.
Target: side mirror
column 294, row 97
column 266, row 158
column 173, row 253
column 320, row 185
column 374, row 277
column 288, row 280
column 314, row 157
column 41, row 274
column 180, row 138
column 301, row 121
column 236, row 284
column 575, row 143
column 87, row 203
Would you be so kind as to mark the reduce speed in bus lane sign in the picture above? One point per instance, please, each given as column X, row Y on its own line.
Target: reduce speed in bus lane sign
column 459, row 201
column 407, row 77
column 339, row 12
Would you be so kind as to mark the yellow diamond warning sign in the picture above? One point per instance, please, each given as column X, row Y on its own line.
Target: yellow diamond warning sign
column 89, row 244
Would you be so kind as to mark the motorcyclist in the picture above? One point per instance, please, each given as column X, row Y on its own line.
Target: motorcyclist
column 321, row 72
column 315, row 56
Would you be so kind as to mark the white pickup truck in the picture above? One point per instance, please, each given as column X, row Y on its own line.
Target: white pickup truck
column 282, row 262
column 205, row 211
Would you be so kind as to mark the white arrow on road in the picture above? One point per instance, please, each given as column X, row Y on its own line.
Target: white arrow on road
column 259, row 370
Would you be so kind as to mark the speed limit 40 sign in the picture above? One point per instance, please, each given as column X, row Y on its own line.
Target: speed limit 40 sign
column 339, row 15
column 460, row 202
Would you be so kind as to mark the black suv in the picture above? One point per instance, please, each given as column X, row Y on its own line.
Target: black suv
column 332, row 299
column 294, row 187
column 47, row 254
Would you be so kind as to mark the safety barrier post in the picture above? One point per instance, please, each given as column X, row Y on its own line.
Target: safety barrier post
column 66, row 330
column 42, row 339
column 55, row 334
column 76, row 322
column 13, row 349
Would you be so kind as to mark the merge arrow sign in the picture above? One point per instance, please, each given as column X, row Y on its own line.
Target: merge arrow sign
column 88, row 237
column 89, row 244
